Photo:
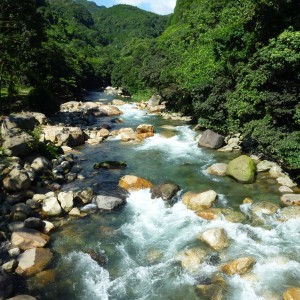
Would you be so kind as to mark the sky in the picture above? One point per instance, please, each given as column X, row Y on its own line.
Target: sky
column 161, row 7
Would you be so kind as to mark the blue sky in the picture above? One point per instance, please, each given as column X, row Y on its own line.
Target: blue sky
column 162, row 7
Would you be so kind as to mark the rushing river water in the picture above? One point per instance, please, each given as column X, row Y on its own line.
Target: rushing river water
column 142, row 239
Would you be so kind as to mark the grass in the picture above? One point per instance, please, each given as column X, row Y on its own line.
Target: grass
column 142, row 96
column 17, row 102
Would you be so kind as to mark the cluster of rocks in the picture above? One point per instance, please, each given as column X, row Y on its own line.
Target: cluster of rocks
column 142, row 132
column 213, row 140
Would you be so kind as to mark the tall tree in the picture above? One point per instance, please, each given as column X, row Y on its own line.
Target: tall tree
column 21, row 33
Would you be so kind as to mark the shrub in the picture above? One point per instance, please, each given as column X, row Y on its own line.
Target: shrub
column 42, row 100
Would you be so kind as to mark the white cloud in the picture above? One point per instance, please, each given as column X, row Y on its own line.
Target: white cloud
column 162, row 7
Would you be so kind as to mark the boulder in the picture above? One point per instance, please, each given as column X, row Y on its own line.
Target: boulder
column 264, row 207
column 127, row 134
column 218, row 169
column 34, row 223
column 134, row 183
column 103, row 133
column 40, row 164
column 110, row 165
column 292, row 293
column 276, row 172
column 66, row 200
column 75, row 212
column 216, row 238
column 155, row 100
column 264, row 165
column 51, row 206
column 22, row 297
column 290, row 199
column 199, row 201
column 285, row 180
column 27, row 238
column 108, row 202
column 69, row 136
column 48, row 227
column 118, row 102
column 290, row 212
column 238, row 266
column 211, row 139
column 145, row 128
column 285, row 190
column 165, row 191
column 16, row 180
column 218, row 213
column 85, row 196
column 33, row 261
column 6, row 285
column 10, row 265
column 18, row 144
column 22, row 121
column 191, row 259
column 242, row 169
column 108, row 110
column 20, row 212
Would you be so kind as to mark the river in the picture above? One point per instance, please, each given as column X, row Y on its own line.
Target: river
column 142, row 239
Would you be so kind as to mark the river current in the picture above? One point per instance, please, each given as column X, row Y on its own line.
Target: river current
column 141, row 240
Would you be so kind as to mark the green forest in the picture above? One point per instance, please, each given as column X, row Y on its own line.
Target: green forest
column 233, row 65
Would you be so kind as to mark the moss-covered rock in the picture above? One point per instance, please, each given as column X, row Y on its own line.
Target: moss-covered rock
column 242, row 169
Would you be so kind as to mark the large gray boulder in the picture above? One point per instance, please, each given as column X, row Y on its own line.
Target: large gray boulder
column 108, row 202
column 155, row 100
column 22, row 121
column 17, row 143
column 211, row 139
column 69, row 136
column 165, row 191
column 16, row 180
column 51, row 206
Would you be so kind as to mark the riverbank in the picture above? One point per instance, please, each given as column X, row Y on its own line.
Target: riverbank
column 149, row 238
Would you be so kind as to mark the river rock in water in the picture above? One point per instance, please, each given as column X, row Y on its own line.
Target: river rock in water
column 165, row 191
column 191, row 259
column 110, row 165
column 290, row 199
column 33, row 261
column 134, row 183
column 238, row 266
column 218, row 169
column 211, row 139
column 292, row 293
column 51, row 206
column 108, row 202
column 264, row 207
column 216, row 238
column 242, row 169
column 288, row 213
column 199, row 201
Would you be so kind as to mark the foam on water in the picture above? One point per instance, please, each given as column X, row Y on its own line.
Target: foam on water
column 94, row 280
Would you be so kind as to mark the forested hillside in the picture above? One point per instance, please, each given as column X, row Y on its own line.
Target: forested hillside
column 60, row 47
column 234, row 65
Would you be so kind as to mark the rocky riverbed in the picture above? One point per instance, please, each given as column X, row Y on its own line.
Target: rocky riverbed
column 41, row 196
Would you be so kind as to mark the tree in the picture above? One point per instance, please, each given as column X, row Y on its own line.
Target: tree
column 21, row 33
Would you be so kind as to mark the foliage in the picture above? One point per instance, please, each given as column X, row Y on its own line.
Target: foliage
column 41, row 99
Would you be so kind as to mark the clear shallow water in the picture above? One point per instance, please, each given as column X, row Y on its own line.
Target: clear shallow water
column 143, row 238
